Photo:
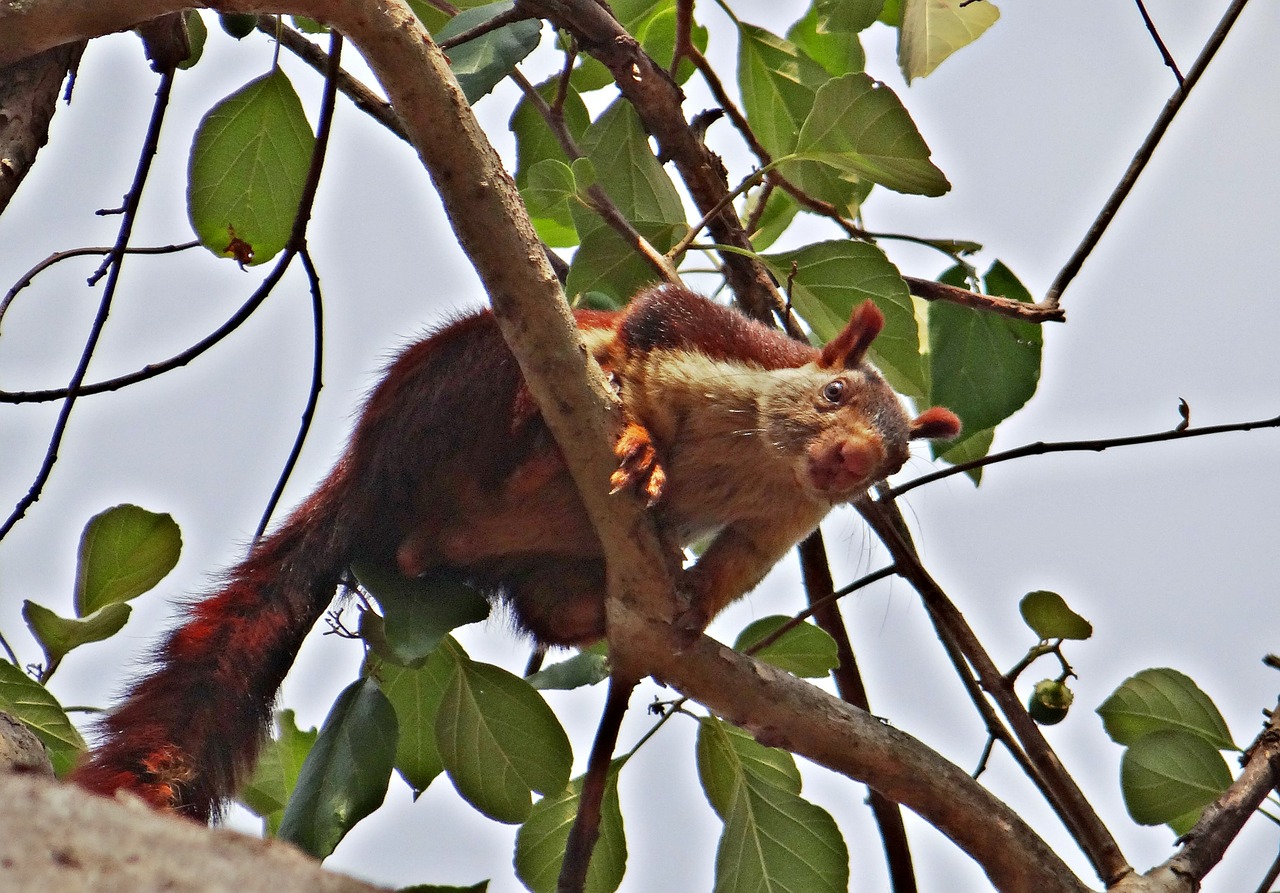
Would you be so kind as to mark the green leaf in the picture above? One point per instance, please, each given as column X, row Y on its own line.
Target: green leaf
column 858, row 126
column 778, row 83
column 587, row 667
column 1050, row 618
column 540, row 842
column 838, row 50
column 983, row 367
column 932, row 30
column 197, row 34
column 482, row 63
column 618, row 147
column 804, row 650
column 968, row 446
column 416, row 694
column 421, row 611
column 536, row 144
column 834, row 277
column 499, row 741
column 605, row 263
column 1162, row 699
column 847, row 15
column 779, row 211
column 124, row 551
column 773, row 839
column 308, row 25
column 443, row 888
column 59, row 635
column 33, row 705
column 1169, row 773
column 345, row 776
column 276, row 774
column 248, row 165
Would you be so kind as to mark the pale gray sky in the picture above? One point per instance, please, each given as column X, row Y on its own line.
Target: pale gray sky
column 1168, row 549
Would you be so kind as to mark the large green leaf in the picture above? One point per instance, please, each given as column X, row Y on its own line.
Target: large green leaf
column 858, row 126
column 832, row 278
column 124, row 551
column 1168, row 773
column 540, row 842
column 58, row 635
column 803, row 650
column 345, row 776
column 983, row 367
column 248, row 165
column 631, row 176
column 778, row 83
column 847, row 15
column 33, row 705
column 773, row 839
column 1160, row 699
column 480, row 64
column 416, row 694
column 932, row 30
column 499, row 740
column 421, row 611
column 276, row 773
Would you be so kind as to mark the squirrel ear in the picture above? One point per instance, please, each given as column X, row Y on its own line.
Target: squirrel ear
column 935, row 424
column 847, row 349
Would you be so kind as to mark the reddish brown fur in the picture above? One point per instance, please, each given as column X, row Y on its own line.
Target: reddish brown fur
column 451, row 468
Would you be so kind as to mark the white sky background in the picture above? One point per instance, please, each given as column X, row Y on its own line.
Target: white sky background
column 1167, row 549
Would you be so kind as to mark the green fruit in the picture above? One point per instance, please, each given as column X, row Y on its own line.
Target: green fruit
column 1050, row 702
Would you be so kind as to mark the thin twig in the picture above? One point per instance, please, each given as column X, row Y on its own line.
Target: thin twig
column 501, row 20
column 1143, row 155
column 1040, row 448
column 132, row 201
column 298, row 243
column 1155, row 35
column 820, row 589
column 57, row 257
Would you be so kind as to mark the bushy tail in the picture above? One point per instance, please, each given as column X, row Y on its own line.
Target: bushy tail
column 188, row 732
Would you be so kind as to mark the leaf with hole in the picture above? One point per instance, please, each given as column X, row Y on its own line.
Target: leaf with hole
column 248, row 166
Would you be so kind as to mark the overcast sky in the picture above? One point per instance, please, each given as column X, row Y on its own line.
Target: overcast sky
column 1168, row 549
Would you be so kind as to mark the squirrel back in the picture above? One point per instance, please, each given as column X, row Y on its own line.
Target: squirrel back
column 731, row 429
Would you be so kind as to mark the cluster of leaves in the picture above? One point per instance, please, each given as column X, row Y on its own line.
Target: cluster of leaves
column 124, row 552
column 1172, row 731
column 424, row 708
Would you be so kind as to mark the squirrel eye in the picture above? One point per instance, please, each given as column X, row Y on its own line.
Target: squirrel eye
column 833, row 390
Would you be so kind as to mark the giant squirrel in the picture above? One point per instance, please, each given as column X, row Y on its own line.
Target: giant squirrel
column 732, row 430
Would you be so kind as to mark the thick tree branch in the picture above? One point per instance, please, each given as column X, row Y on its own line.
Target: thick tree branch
column 28, row 98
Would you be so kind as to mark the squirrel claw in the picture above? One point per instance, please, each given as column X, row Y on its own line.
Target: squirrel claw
column 638, row 467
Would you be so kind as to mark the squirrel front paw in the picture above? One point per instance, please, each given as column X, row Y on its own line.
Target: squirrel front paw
column 638, row 465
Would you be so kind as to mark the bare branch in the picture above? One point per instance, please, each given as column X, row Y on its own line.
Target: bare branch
column 1143, row 155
